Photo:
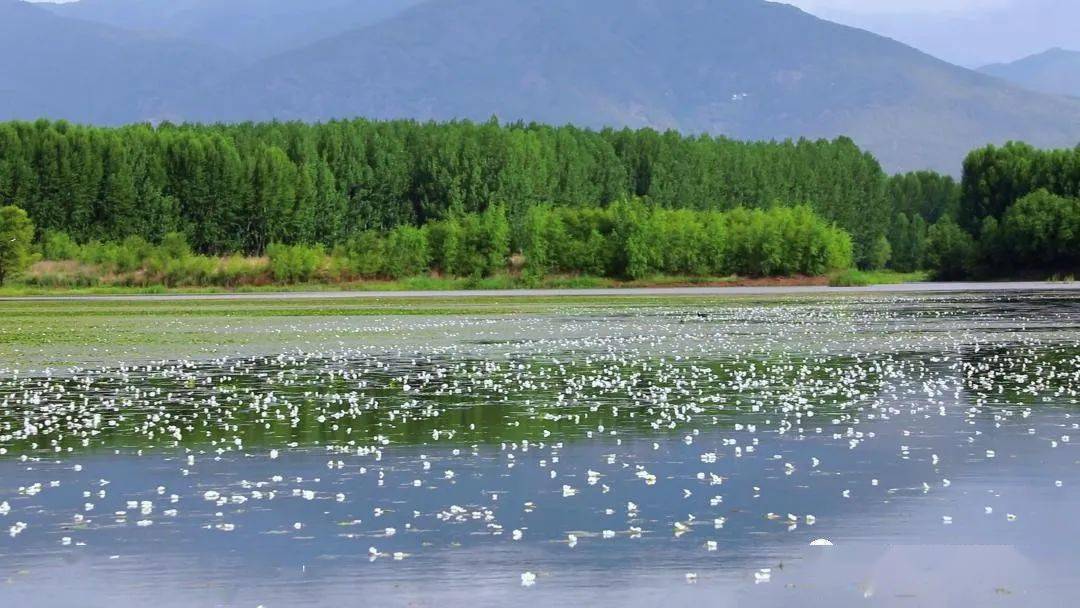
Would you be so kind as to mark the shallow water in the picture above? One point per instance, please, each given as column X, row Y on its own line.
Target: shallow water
column 693, row 451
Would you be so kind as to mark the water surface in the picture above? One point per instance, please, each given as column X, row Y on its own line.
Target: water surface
column 672, row 454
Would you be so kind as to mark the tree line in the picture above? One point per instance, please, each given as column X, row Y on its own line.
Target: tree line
column 1016, row 214
column 358, row 187
column 627, row 240
column 238, row 188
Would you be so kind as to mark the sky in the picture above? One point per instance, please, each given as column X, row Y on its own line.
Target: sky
column 971, row 33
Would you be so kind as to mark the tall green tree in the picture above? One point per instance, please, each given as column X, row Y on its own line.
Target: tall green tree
column 16, row 236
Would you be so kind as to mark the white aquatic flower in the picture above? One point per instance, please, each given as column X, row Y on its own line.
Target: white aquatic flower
column 516, row 535
column 273, row 454
column 528, row 579
column 5, row 508
column 710, row 545
column 571, row 540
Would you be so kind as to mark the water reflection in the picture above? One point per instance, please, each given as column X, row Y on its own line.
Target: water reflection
column 931, row 441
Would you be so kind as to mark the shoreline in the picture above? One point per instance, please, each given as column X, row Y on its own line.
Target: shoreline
column 700, row 291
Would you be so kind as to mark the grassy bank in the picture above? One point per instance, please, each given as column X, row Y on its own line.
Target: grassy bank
column 498, row 282
column 861, row 278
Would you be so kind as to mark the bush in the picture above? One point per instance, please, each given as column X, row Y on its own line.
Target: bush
column 58, row 246
column 175, row 245
column 366, row 253
column 1042, row 230
column 16, row 236
column 237, row 270
column 406, row 252
column 193, row 270
column 294, row 263
column 632, row 240
column 851, row 278
column 445, row 241
column 950, row 250
column 470, row 244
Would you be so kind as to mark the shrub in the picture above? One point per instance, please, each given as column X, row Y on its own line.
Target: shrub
column 175, row 245
column 58, row 246
column 406, row 252
column 1042, row 230
column 950, row 250
column 470, row 244
column 193, row 270
column 294, row 263
column 366, row 253
column 445, row 240
column 16, row 236
column 236, row 270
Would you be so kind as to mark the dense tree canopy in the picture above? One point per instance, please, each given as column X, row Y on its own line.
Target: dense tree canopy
column 460, row 196
column 242, row 187
column 995, row 178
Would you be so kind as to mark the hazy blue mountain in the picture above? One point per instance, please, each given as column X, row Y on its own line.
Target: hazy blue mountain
column 55, row 67
column 246, row 28
column 1056, row 71
column 745, row 68
column 976, row 33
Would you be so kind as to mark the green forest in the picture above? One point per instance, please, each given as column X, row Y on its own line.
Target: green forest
column 217, row 204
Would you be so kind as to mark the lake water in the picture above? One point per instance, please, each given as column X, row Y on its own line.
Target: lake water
column 683, row 454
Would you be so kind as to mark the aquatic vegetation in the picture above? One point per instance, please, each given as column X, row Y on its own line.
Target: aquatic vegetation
column 694, row 440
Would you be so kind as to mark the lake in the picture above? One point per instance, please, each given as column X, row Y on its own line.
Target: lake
column 676, row 451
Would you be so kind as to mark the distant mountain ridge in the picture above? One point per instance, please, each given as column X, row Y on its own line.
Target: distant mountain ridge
column 249, row 29
column 53, row 67
column 744, row 68
column 747, row 69
column 1056, row 71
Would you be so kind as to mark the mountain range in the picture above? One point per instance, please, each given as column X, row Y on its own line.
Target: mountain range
column 1056, row 71
column 247, row 29
column 51, row 67
column 743, row 68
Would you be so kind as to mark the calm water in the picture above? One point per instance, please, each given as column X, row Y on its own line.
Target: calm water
column 624, row 457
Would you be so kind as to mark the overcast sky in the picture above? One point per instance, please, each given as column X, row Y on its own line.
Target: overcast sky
column 966, row 32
